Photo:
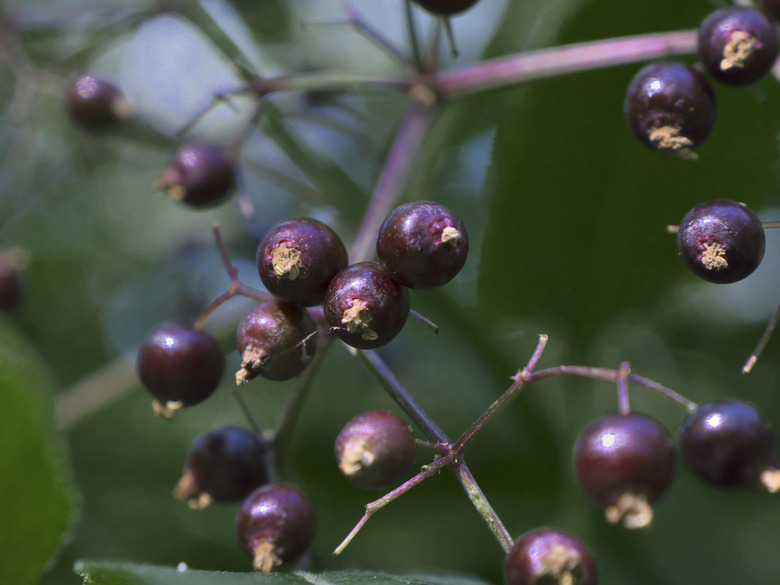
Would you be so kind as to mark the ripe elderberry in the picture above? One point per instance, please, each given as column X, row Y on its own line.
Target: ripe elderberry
column 729, row 444
column 422, row 244
column 375, row 450
column 179, row 365
column 223, row 465
column 96, row 105
column 722, row 241
column 298, row 258
column 671, row 108
column 624, row 463
column 200, row 176
column 446, row 7
column 737, row 45
column 276, row 340
column 549, row 557
column 365, row 307
column 275, row 525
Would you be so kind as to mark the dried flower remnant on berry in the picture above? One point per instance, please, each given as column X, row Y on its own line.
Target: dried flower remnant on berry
column 200, row 176
column 546, row 556
column 287, row 262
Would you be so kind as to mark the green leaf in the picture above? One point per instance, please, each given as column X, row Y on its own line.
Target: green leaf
column 36, row 490
column 128, row 574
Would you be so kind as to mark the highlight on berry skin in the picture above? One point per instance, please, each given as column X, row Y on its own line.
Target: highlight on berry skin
column 200, row 175
column 297, row 259
column 625, row 463
column 275, row 525
column 95, row 104
column 721, row 241
column 737, row 45
column 546, row 556
column 730, row 445
column 276, row 340
column 223, row 465
column 671, row 108
column 365, row 307
column 180, row 366
column 422, row 244
column 375, row 450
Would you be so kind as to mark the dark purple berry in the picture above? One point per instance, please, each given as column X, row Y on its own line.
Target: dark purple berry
column 298, row 258
column 549, row 557
column 179, row 365
column 728, row 444
column 200, row 175
column 375, row 450
column 737, row 45
column 276, row 341
column 10, row 280
column 275, row 525
column 446, row 7
column 96, row 105
column 365, row 307
column 224, row 465
column 671, row 108
column 422, row 244
column 624, row 463
column 722, row 241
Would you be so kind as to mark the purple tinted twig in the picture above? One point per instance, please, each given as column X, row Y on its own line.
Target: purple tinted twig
column 762, row 343
column 624, row 375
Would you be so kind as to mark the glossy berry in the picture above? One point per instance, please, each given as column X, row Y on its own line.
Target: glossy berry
column 200, row 176
column 722, row 241
column 298, row 258
column 10, row 282
column 549, row 557
column 365, row 307
column 446, row 7
column 275, row 525
column 179, row 365
column 671, row 108
column 375, row 450
column 728, row 444
column 276, row 340
column 737, row 45
column 223, row 465
column 422, row 244
column 624, row 463
column 96, row 105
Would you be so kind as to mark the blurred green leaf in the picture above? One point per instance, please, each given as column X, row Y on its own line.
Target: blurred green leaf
column 36, row 490
column 126, row 574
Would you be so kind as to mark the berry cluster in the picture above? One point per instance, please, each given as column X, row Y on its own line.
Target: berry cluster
column 624, row 461
column 671, row 107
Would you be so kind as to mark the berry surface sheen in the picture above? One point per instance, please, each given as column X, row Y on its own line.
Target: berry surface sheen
column 546, row 556
column 199, row 175
column 422, row 244
column 721, row 241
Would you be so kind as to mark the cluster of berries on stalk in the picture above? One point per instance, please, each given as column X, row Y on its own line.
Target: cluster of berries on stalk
column 624, row 461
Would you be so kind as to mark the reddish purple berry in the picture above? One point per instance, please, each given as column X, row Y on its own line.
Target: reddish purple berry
column 722, row 241
column 179, row 365
column 96, row 105
column 549, row 557
column 446, row 7
column 737, row 45
column 375, row 450
column 422, row 244
column 729, row 444
column 275, row 525
column 223, row 465
column 200, row 176
column 298, row 258
column 365, row 307
column 624, row 463
column 276, row 341
column 671, row 108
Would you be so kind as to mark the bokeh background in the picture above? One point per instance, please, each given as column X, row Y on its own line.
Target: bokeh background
column 566, row 214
